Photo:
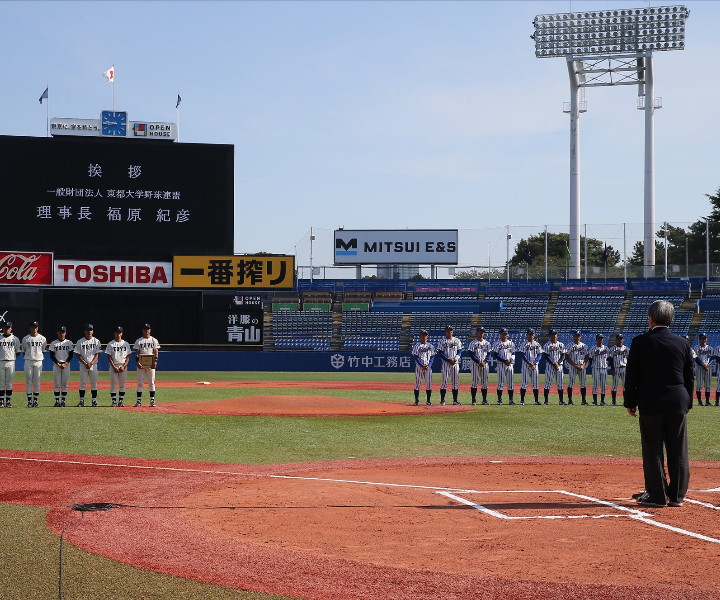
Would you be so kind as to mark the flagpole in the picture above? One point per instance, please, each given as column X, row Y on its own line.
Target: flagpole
column 177, row 115
column 47, row 113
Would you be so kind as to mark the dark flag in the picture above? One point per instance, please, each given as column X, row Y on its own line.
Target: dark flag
column 44, row 95
column 606, row 254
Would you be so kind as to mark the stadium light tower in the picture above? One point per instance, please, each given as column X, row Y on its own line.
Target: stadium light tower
column 609, row 48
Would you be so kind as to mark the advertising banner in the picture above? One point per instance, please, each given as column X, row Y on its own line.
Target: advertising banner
column 241, row 327
column 26, row 268
column 112, row 273
column 396, row 246
column 271, row 272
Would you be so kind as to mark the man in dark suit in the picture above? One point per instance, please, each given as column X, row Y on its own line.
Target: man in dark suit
column 659, row 383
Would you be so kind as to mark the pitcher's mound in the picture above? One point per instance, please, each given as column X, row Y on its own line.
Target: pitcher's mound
column 298, row 406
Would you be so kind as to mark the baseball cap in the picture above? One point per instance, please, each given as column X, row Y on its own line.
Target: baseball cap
column 424, row 332
column 7, row 324
column 620, row 335
column 702, row 334
column 576, row 332
column 552, row 332
column 34, row 324
column 503, row 330
column 89, row 327
column 146, row 326
column 599, row 335
column 480, row 329
column 118, row 329
column 530, row 330
column 62, row 328
column 449, row 328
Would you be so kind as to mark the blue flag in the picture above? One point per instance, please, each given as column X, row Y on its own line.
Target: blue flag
column 44, row 95
column 179, row 100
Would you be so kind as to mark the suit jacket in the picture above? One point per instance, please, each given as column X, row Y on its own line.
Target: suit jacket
column 659, row 377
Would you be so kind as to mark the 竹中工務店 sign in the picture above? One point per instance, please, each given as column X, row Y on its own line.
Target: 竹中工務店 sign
column 112, row 273
column 396, row 246
column 26, row 268
column 273, row 272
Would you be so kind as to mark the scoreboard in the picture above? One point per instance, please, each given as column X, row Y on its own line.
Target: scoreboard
column 116, row 198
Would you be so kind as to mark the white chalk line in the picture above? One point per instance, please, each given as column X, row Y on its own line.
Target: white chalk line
column 705, row 504
column 640, row 517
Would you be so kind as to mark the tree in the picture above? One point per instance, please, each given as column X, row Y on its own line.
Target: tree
column 532, row 250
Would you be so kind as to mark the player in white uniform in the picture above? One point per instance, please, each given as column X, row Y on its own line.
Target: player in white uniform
column 423, row 354
column 118, row 351
column 61, row 351
column 449, row 351
column 146, row 344
column 88, row 350
column 554, row 353
column 597, row 357
column 703, row 354
column 479, row 349
column 575, row 354
column 618, row 356
column 33, row 346
column 716, row 358
column 9, row 350
column 504, row 353
column 531, row 353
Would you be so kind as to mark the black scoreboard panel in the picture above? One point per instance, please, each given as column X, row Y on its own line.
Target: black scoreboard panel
column 88, row 197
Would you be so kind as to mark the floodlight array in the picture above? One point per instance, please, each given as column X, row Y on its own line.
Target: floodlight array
column 610, row 31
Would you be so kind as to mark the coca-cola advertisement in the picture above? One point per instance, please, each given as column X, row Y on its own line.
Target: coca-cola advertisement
column 26, row 268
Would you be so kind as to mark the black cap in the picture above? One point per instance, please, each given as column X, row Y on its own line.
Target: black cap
column 702, row 334
column 620, row 335
column 34, row 324
column 599, row 335
column 503, row 330
column 89, row 327
column 449, row 328
column 576, row 332
column 531, row 330
column 146, row 326
column 480, row 329
column 118, row 329
column 552, row 332
column 7, row 324
column 424, row 332
column 62, row 328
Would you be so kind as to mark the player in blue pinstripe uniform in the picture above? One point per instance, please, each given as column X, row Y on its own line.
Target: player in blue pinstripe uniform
column 716, row 358
column 703, row 373
column 575, row 354
column 554, row 354
column 504, row 353
column 479, row 350
column 531, row 353
column 618, row 358
column 597, row 357
column 449, row 349
column 423, row 353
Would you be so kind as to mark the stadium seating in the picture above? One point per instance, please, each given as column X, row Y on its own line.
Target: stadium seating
column 372, row 331
column 519, row 312
column 301, row 330
column 589, row 312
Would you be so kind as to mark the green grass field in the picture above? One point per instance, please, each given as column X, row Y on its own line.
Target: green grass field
column 487, row 431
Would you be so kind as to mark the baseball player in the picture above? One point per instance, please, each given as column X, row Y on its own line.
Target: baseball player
column 554, row 354
column 575, row 354
column 146, row 344
column 618, row 357
column 118, row 351
column 531, row 353
column 449, row 351
column 61, row 351
column 597, row 357
column 88, row 350
column 703, row 355
column 504, row 353
column 423, row 354
column 33, row 347
column 479, row 349
column 9, row 350
column 716, row 358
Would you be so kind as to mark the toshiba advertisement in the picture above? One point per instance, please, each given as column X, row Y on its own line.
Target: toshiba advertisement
column 112, row 273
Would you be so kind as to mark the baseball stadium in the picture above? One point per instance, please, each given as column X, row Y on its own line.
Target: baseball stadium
column 382, row 414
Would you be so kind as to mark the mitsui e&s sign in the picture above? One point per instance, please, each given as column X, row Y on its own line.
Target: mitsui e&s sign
column 396, row 246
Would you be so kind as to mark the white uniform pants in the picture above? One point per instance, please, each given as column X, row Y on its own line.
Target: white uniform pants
column 7, row 374
column 33, row 370
column 505, row 376
column 450, row 372
column 599, row 379
column 117, row 380
column 618, row 378
column 553, row 375
column 420, row 375
column 61, row 378
column 91, row 374
column 479, row 375
column 146, row 376
column 529, row 375
column 579, row 375
column 702, row 378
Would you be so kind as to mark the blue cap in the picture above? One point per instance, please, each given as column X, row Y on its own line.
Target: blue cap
column 7, row 324
column 480, row 329
column 620, row 335
column 702, row 334
column 531, row 330
column 552, row 332
column 34, row 324
column 423, row 332
column 503, row 330
column 62, row 328
column 599, row 335
column 449, row 328
column 576, row 332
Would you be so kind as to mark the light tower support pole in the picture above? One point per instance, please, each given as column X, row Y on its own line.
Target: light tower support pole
column 649, row 203
column 574, row 171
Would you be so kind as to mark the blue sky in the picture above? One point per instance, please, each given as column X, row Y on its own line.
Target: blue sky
column 377, row 114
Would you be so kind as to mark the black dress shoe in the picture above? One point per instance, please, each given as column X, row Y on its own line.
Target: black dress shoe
column 646, row 500
column 636, row 496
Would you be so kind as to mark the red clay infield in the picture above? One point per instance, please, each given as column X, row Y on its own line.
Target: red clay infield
column 298, row 406
column 511, row 528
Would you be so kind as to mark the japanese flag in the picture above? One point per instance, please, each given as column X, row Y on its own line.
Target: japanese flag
column 110, row 74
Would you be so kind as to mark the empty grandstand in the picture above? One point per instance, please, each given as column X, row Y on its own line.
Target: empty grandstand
column 302, row 330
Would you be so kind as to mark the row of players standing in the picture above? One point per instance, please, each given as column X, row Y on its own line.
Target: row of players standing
column 577, row 355
column 88, row 350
